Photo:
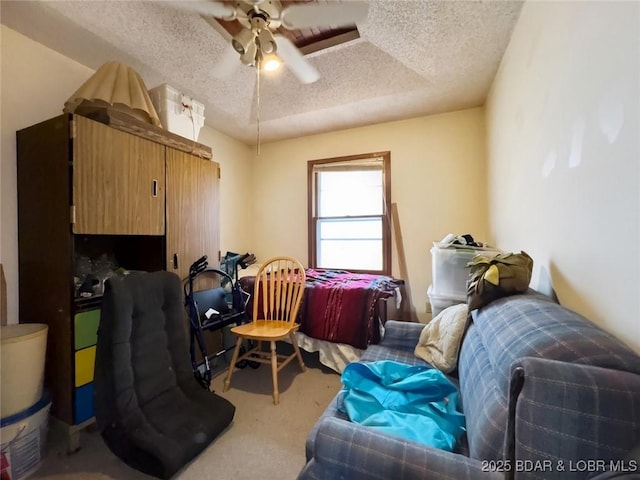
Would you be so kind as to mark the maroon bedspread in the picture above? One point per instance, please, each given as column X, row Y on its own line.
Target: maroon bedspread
column 341, row 306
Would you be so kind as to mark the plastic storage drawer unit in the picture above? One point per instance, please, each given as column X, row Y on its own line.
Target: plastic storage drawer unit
column 450, row 272
column 439, row 302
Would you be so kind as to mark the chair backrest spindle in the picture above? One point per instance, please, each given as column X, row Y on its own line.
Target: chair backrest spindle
column 279, row 286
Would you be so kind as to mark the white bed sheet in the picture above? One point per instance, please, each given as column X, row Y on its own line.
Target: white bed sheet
column 336, row 356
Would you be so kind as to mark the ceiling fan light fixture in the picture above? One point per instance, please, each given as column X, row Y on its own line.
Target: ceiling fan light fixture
column 249, row 56
column 243, row 41
column 271, row 62
column 267, row 42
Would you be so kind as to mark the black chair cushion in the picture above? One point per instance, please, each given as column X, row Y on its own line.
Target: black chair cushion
column 152, row 412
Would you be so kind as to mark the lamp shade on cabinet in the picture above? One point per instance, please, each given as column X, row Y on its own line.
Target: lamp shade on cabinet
column 117, row 86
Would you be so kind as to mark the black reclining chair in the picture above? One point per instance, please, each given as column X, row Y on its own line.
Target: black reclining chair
column 150, row 409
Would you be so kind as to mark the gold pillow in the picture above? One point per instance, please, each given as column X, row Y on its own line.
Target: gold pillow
column 440, row 339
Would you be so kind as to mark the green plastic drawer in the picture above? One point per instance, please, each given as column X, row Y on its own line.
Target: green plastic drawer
column 86, row 328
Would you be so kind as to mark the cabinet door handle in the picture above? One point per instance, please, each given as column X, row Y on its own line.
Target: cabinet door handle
column 155, row 188
column 175, row 261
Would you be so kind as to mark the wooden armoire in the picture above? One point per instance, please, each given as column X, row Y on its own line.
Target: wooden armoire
column 144, row 197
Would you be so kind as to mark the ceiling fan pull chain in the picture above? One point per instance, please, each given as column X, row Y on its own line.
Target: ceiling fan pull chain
column 258, row 104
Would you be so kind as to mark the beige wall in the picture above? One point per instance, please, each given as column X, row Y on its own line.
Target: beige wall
column 36, row 81
column 438, row 181
column 564, row 155
column 236, row 176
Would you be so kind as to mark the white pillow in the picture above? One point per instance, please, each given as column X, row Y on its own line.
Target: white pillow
column 440, row 339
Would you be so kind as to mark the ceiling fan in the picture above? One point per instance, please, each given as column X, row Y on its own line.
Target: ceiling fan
column 258, row 45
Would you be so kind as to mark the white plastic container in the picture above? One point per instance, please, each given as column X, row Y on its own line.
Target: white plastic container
column 449, row 269
column 22, row 354
column 23, row 438
column 439, row 302
column 178, row 113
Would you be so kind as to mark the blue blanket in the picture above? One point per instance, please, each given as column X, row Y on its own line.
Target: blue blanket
column 414, row 402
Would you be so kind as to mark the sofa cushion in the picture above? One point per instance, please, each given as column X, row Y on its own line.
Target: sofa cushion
column 532, row 325
column 376, row 353
column 484, row 406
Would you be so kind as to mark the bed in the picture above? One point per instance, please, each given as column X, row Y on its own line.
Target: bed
column 342, row 312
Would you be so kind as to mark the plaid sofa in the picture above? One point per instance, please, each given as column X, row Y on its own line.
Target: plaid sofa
column 546, row 395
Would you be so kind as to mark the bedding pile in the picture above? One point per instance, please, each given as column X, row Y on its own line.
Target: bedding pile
column 342, row 307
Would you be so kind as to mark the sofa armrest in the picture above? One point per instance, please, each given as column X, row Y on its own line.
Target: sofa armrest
column 346, row 450
column 401, row 335
column 567, row 415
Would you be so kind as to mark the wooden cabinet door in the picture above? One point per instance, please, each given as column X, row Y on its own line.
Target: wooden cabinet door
column 192, row 211
column 118, row 181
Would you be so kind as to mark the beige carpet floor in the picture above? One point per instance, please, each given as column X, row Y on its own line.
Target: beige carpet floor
column 264, row 441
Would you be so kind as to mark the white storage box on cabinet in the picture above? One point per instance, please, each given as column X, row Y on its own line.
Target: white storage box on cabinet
column 179, row 113
column 450, row 272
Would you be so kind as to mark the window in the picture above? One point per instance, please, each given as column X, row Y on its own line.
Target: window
column 349, row 199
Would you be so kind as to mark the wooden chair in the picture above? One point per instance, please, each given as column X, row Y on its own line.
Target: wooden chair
column 277, row 294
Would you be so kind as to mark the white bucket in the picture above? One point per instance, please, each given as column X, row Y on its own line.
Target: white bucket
column 22, row 352
column 23, row 437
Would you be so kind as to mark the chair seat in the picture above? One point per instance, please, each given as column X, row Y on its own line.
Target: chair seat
column 265, row 330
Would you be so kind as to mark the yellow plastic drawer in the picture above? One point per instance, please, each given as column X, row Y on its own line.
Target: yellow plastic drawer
column 85, row 363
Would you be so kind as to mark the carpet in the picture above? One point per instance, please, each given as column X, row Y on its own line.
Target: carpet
column 263, row 441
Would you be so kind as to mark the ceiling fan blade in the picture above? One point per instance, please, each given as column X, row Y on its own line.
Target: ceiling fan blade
column 208, row 8
column 227, row 64
column 295, row 61
column 310, row 15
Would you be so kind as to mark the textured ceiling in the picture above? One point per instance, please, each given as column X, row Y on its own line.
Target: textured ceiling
column 413, row 58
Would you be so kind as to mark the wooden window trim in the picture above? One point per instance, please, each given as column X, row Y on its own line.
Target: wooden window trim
column 312, row 200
